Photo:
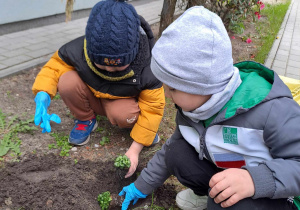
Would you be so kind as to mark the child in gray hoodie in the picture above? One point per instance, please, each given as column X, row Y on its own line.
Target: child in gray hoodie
column 237, row 140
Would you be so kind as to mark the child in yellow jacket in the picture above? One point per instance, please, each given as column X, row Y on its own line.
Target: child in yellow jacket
column 106, row 72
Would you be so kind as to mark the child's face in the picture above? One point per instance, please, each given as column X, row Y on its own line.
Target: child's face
column 112, row 68
column 188, row 102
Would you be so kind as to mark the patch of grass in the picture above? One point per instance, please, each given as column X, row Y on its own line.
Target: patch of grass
column 99, row 129
column 153, row 206
column 9, row 130
column 269, row 28
column 61, row 143
column 105, row 140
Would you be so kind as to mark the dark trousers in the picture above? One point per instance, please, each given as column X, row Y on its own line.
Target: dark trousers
column 183, row 162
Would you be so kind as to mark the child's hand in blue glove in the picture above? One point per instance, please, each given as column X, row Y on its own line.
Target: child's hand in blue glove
column 132, row 193
column 42, row 100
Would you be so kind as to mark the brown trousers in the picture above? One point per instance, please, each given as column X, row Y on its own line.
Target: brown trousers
column 83, row 104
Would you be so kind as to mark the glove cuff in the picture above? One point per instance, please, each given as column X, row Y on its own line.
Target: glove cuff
column 43, row 97
column 138, row 193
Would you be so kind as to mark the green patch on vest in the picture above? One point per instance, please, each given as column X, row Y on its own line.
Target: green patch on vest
column 230, row 135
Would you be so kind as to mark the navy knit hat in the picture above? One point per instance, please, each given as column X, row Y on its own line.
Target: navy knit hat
column 112, row 33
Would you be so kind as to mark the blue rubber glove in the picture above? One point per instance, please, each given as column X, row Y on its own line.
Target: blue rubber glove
column 132, row 193
column 42, row 101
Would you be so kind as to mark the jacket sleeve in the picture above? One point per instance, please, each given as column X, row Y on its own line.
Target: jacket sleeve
column 47, row 78
column 151, row 103
column 280, row 177
column 156, row 172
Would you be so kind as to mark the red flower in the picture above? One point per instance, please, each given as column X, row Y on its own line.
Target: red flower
column 248, row 40
column 261, row 5
column 257, row 15
column 233, row 37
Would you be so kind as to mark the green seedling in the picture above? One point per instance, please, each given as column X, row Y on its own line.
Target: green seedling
column 122, row 162
column 75, row 161
column 8, row 93
column 9, row 130
column 56, row 97
column 105, row 140
column 104, row 200
column 99, row 129
column 61, row 143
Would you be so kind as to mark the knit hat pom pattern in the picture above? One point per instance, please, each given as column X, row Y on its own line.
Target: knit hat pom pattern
column 112, row 33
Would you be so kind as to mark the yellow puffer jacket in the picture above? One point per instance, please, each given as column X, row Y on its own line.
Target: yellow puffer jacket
column 135, row 82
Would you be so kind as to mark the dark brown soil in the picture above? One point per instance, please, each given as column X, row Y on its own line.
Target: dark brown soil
column 41, row 179
column 52, row 182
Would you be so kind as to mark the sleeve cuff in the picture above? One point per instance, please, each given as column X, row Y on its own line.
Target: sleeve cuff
column 264, row 182
column 143, row 186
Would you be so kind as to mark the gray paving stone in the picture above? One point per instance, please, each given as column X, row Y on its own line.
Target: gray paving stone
column 284, row 47
column 36, row 40
column 37, row 46
column 293, row 70
column 2, row 51
column 283, row 52
column 268, row 63
column 15, row 60
column 294, row 63
column 58, row 41
column 293, row 76
column 39, row 30
column 15, row 46
column 283, row 58
column 16, row 52
column 2, row 66
column 75, row 31
column 294, row 57
column 295, row 52
column 280, row 64
column 295, row 47
column 278, row 70
column 2, row 57
column 282, row 43
column 40, row 53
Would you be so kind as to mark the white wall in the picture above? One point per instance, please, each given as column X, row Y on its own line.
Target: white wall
column 19, row 10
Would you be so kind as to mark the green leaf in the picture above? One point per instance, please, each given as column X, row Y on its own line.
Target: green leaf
column 3, row 150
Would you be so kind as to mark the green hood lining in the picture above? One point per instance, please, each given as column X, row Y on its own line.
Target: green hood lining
column 256, row 84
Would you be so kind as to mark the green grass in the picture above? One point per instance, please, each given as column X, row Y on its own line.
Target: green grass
column 269, row 28
column 9, row 130
column 61, row 143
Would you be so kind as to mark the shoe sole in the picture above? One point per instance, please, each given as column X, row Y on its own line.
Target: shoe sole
column 88, row 138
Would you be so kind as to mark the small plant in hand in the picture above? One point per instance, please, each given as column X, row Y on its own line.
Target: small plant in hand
column 104, row 200
column 122, row 162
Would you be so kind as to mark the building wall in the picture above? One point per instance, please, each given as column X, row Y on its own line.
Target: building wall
column 22, row 10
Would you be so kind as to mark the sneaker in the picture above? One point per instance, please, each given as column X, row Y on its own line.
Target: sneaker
column 80, row 134
column 156, row 140
column 188, row 200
